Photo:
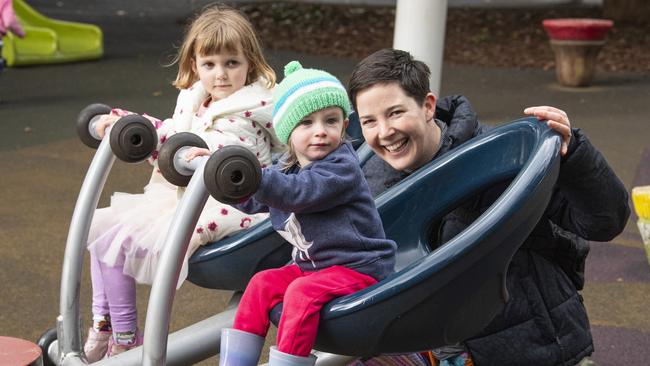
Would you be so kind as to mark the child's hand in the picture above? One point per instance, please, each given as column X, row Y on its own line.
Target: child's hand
column 104, row 122
column 557, row 119
column 196, row 152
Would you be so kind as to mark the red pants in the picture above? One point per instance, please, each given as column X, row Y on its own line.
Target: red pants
column 303, row 294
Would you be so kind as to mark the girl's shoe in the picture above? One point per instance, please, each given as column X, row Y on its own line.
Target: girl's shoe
column 96, row 344
column 115, row 348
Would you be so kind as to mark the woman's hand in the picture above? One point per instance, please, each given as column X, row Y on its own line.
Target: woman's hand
column 196, row 152
column 556, row 119
column 104, row 122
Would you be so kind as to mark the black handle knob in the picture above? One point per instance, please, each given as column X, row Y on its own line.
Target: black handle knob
column 84, row 121
column 232, row 174
column 168, row 152
column 133, row 138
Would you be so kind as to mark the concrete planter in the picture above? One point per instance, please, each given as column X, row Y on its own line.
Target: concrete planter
column 576, row 43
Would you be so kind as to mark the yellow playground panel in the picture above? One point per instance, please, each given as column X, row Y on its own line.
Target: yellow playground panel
column 50, row 41
column 641, row 201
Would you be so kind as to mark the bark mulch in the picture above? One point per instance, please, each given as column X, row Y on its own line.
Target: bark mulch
column 512, row 38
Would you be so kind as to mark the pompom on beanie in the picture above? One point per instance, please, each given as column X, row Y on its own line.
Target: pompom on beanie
column 303, row 92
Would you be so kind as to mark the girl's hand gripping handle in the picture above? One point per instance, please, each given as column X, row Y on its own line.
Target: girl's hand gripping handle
column 88, row 121
column 173, row 155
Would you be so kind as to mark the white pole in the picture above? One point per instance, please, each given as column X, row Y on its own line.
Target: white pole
column 420, row 30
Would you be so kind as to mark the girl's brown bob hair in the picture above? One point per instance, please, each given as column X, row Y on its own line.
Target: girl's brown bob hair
column 216, row 29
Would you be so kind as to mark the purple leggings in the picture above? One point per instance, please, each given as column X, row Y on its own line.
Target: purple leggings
column 114, row 294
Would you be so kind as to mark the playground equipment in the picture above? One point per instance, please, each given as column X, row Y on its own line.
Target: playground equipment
column 437, row 296
column 641, row 201
column 444, row 295
column 50, row 41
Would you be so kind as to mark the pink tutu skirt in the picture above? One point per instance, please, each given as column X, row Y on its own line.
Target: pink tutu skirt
column 131, row 232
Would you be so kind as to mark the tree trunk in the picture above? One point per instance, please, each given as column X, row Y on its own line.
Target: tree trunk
column 636, row 11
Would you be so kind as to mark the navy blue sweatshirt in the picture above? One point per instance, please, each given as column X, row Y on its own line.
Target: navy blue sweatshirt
column 325, row 210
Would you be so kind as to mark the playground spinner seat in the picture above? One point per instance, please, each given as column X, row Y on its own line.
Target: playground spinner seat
column 436, row 297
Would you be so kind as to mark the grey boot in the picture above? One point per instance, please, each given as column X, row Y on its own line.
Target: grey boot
column 239, row 348
column 277, row 358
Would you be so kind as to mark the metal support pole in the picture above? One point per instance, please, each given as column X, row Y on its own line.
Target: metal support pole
column 420, row 30
column 68, row 327
column 169, row 267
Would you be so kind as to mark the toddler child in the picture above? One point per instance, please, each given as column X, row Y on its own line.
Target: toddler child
column 319, row 202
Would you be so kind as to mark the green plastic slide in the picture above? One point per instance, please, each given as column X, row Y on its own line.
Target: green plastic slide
column 50, row 41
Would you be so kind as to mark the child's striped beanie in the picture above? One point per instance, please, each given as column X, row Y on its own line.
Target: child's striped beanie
column 303, row 92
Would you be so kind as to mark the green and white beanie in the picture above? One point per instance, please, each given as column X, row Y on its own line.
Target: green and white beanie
column 303, row 92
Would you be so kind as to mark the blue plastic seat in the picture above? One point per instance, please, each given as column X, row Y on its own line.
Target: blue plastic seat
column 439, row 296
column 447, row 295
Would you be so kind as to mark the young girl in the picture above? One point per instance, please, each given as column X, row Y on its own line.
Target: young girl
column 226, row 99
column 319, row 202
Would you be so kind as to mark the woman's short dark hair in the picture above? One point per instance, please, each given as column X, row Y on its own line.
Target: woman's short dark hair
column 387, row 66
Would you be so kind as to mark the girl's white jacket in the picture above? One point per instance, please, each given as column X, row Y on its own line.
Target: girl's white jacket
column 132, row 230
